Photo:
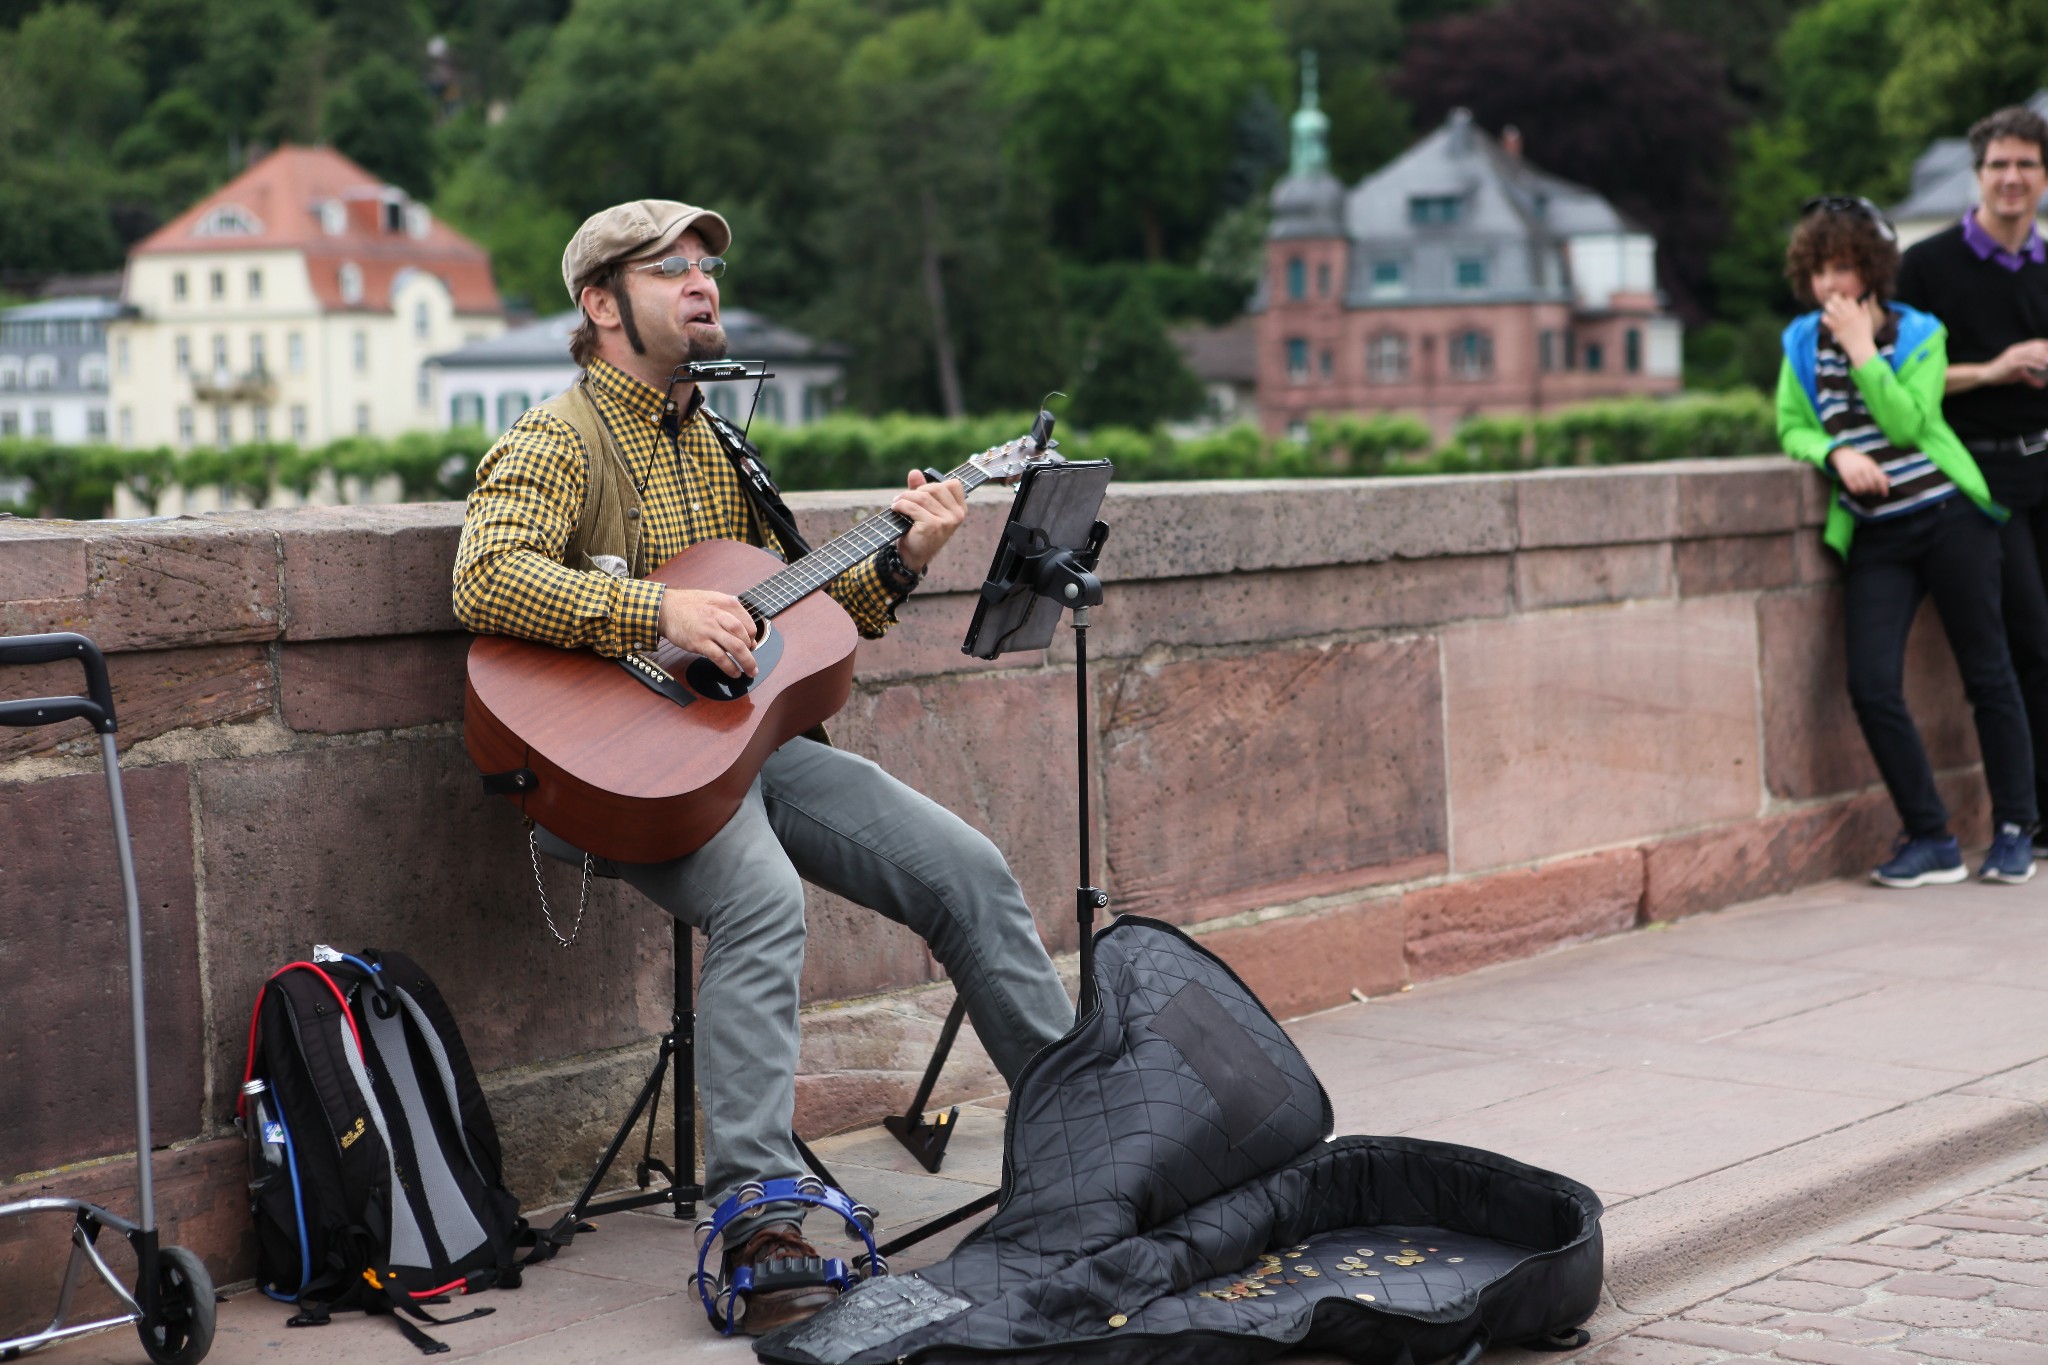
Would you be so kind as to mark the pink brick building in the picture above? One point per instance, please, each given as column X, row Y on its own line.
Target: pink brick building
column 1458, row 280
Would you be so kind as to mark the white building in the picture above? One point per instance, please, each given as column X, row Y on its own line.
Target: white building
column 489, row 383
column 299, row 302
column 53, row 369
column 1945, row 186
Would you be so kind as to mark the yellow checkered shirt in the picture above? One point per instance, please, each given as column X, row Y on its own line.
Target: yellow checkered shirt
column 509, row 575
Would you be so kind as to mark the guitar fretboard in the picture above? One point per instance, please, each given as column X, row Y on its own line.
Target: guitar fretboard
column 783, row 590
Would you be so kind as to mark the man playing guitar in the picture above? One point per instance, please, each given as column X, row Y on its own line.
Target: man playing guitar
column 540, row 558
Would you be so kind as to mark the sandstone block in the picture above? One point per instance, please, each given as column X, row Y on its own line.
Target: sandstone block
column 334, row 687
column 159, row 585
column 1467, row 924
column 1806, row 1297
column 1976, row 1351
column 1559, row 507
column 155, row 692
column 1816, row 494
column 1734, row 1314
column 1284, row 605
column 41, row 566
column 1636, row 1351
column 1902, row 1257
column 1596, row 573
column 1839, row 1329
column 1998, row 1246
column 1848, row 1274
column 1257, row 780
column 1736, row 564
column 65, row 1049
column 1646, row 714
column 1738, row 498
column 1942, row 1286
column 1690, row 873
column 1300, row 963
column 386, row 569
column 1173, row 530
column 396, row 846
column 1925, row 1312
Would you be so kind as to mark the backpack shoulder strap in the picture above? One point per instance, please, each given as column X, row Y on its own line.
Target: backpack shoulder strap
column 754, row 477
column 609, row 523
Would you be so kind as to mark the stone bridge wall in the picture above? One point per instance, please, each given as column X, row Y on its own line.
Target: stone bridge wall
column 1353, row 734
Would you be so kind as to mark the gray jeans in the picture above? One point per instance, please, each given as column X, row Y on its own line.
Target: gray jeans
column 832, row 818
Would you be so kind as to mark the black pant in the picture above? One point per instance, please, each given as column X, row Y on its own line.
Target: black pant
column 2021, row 483
column 1952, row 551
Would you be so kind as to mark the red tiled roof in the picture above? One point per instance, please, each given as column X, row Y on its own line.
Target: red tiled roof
column 283, row 193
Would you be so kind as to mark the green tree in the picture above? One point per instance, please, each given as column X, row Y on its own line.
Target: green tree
column 606, row 105
column 944, row 291
column 74, row 80
column 1836, row 101
column 1771, row 181
column 262, row 69
column 1132, row 375
column 523, row 232
column 52, row 219
column 175, row 153
column 1958, row 61
column 380, row 116
column 1128, row 110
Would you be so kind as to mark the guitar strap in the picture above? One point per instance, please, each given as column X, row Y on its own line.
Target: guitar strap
column 767, row 498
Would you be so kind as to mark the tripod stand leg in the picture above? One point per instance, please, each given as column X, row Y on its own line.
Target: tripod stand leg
column 927, row 1141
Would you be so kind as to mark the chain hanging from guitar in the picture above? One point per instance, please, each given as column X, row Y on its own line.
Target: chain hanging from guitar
column 643, row 758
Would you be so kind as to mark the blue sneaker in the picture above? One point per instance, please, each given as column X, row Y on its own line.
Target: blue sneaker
column 1926, row 861
column 2011, row 859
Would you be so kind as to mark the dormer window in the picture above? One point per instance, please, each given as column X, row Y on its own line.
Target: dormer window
column 1427, row 210
column 350, row 277
column 1388, row 279
column 394, row 216
column 333, row 217
column 1471, row 272
column 227, row 220
column 417, row 221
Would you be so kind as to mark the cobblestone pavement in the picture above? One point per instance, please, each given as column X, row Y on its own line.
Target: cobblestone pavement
column 1967, row 1282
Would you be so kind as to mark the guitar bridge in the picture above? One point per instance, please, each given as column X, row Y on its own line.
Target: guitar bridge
column 657, row 678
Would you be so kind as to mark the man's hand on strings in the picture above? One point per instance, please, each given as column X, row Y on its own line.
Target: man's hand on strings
column 712, row 624
column 936, row 511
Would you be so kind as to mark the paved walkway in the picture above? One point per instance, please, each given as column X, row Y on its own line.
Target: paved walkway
column 1769, row 1099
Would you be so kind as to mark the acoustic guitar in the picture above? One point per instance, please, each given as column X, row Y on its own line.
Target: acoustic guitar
column 644, row 758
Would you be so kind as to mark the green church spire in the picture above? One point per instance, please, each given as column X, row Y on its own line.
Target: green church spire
column 1311, row 127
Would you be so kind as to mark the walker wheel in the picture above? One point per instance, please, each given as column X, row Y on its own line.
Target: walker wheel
column 182, row 1331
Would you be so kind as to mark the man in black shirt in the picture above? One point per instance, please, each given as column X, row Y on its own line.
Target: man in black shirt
column 1986, row 278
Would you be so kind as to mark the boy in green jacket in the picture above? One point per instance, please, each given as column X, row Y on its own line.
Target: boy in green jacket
column 1859, row 396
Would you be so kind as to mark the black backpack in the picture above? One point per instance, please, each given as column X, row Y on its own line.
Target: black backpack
column 374, row 1165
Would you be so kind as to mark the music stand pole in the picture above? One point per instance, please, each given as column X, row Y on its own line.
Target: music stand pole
column 1088, row 898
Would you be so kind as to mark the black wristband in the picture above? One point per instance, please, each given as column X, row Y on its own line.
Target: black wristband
column 899, row 578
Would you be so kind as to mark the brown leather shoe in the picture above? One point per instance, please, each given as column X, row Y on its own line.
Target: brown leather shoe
column 788, row 1275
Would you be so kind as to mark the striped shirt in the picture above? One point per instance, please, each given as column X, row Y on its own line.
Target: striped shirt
column 509, row 575
column 1916, row 481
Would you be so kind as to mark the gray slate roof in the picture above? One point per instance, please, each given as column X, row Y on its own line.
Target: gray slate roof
column 65, row 310
column 1511, row 214
column 749, row 336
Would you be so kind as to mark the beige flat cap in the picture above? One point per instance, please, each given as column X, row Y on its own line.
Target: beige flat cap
column 627, row 230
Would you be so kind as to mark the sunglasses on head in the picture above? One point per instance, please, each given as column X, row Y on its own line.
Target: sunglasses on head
column 1851, row 203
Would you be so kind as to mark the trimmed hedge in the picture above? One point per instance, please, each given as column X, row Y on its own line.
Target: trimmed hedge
column 854, row 452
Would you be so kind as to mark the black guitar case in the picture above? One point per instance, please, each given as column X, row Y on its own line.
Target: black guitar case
column 1169, row 1194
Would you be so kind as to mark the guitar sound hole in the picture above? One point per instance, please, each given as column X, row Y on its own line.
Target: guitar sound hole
column 711, row 682
column 708, row 680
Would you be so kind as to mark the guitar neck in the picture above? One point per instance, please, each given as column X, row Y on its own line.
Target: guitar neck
column 783, row 590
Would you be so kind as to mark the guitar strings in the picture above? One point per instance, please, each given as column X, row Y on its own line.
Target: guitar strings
column 780, row 591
